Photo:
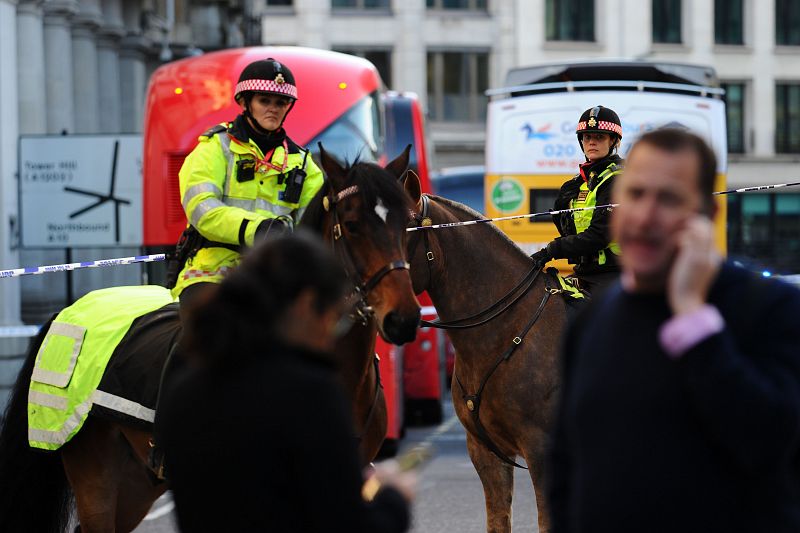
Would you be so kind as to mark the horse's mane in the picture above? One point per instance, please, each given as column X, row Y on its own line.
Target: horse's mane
column 463, row 212
column 373, row 182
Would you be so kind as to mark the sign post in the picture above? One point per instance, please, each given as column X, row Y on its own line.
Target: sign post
column 80, row 191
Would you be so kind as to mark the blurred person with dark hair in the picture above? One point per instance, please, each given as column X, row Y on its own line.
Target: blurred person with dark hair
column 585, row 238
column 680, row 401
column 257, row 432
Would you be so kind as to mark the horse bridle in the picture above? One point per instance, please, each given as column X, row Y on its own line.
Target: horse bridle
column 473, row 401
column 361, row 310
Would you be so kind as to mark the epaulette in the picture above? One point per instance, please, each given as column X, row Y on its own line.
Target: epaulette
column 210, row 132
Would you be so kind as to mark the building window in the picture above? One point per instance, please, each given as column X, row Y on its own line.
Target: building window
column 764, row 231
column 728, row 21
column 280, row 3
column 569, row 20
column 382, row 59
column 787, row 118
column 734, row 114
column 360, row 4
column 478, row 5
column 666, row 21
column 787, row 22
column 456, row 85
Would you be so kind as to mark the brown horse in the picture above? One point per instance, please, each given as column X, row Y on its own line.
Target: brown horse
column 505, row 329
column 362, row 211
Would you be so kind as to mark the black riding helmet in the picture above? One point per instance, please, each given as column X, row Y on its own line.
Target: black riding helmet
column 265, row 76
column 599, row 119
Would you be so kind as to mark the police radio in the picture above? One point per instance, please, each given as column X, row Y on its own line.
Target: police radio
column 294, row 179
column 294, row 185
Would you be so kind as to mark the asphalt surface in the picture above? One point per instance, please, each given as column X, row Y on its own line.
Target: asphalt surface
column 449, row 496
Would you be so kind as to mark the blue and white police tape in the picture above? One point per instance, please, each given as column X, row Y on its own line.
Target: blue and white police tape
column 65, row 267
column 510, row 217
column 604, row 206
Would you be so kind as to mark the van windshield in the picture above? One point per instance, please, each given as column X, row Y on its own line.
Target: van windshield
column 355, row 134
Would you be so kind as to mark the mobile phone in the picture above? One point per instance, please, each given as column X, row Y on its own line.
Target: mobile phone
column 410, row 460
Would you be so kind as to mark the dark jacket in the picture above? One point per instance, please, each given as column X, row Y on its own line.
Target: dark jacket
column 708, row 443
column 579, row 248
column 267, row 444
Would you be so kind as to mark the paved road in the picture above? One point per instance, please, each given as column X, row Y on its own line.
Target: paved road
column 450, row 497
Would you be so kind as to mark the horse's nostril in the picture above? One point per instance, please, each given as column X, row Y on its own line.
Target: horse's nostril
column 400, row 329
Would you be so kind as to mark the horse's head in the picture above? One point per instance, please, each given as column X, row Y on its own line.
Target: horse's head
column 363, row 211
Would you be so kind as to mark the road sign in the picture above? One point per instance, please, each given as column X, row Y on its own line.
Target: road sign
column 80, row 191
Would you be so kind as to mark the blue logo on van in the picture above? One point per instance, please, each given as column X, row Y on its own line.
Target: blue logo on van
column 539, row 133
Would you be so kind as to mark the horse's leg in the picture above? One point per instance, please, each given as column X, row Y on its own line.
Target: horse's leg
column 535, row 458
column 139, row 487
column 498, row 485
column 92, row 461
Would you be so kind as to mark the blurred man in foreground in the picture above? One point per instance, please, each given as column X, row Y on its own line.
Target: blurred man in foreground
column 680, row 404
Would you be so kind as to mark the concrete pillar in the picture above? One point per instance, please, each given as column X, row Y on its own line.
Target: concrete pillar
column 763, row 94
column 313, row 16
column 58, row 65
column 31, row 67
column 85, row 66
column 9, row 133
column 132, row 71
column 504, row 53
column 111, row 95
column 410, row 60
column 530, row 31
column 46, row 294
column 699, row 17
column 11, row 348
column 108, row 39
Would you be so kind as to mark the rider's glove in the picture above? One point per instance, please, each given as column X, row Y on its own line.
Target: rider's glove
column 272, row 227
column 542, row 256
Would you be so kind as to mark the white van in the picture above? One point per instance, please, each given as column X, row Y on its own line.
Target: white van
column 531, row 143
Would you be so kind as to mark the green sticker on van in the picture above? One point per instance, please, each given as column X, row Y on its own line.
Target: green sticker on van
column 507, row 195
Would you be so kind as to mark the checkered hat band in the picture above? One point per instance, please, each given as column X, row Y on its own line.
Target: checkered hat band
column 266, row 86
column 601, row 125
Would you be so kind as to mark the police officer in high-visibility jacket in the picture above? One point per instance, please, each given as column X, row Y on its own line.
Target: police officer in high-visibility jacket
column 245, row 180
column 585, row 239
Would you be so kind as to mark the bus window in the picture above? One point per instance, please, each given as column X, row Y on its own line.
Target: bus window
column 542, row 200
column 355, row 134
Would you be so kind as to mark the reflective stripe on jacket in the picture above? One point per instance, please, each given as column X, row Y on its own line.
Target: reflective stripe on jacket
column 588, row 198
column 226, row 209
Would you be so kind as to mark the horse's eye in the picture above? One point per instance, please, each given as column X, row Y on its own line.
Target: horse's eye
column 351, row 226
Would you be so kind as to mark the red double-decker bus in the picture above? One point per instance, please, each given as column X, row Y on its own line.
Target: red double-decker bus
column 344, row 106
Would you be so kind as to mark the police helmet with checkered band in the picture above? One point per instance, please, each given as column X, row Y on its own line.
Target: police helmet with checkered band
column 599, row 119
column 266, row 76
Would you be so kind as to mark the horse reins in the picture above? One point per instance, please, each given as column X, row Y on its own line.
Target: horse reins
column 473, row 401
column 361, row 309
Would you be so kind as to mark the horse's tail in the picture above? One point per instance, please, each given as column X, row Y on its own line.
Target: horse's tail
column 34, row 494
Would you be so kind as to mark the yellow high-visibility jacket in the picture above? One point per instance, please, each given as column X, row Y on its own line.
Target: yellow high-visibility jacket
column 226, row 204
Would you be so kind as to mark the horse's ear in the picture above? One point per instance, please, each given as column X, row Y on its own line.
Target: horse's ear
column 398, row 166
column 413, row 187
column 333, row 170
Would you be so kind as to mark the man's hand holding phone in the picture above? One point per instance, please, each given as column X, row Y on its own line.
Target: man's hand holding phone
column 694, row 267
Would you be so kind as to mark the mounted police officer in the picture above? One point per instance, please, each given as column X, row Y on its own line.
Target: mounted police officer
column 245, row 180
column 585, row 239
